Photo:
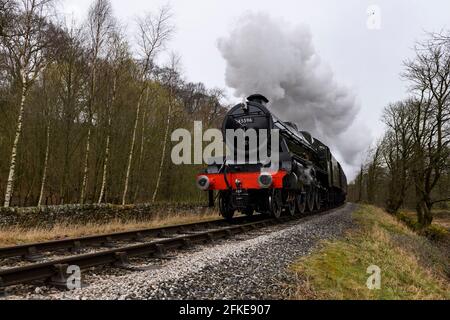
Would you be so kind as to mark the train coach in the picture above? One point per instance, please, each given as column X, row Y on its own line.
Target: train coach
column 306, row 178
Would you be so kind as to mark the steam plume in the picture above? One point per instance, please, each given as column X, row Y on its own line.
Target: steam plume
column 279, row 60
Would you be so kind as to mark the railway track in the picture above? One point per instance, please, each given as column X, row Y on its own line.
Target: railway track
column 155, row 242
column 32, row 251
column 54, row 272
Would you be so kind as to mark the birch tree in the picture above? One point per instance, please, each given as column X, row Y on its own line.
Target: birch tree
column 47, row 114
column 119, row 54
column 154, row 33
column 75, row 93
column 100, row 25
column 25, row 42
column 71, row 69
column 142, row 146
column 171, row 82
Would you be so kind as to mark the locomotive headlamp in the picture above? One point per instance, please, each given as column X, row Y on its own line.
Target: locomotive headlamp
column 203, row 183
column 265, row 180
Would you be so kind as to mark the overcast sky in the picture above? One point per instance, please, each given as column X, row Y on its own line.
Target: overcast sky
column 367, row 61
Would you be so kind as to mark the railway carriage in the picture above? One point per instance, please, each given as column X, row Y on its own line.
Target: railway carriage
column 306, row 177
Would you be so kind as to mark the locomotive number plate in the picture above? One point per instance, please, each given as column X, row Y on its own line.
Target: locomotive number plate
column 243, row 121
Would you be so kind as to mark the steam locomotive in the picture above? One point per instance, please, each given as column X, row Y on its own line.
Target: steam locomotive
column 306, row 177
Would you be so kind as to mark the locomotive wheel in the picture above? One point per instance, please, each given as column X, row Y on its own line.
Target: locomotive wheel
column 290, row 205
column 225, row 206
column 310, row 200
column 318, row 204
column 301, row 202
column 276, row 204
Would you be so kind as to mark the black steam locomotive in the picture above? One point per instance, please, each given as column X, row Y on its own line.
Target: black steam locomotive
column 306, row 177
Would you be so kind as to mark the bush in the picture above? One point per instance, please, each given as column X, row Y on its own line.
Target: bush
column 435, row 233
column 409, row 220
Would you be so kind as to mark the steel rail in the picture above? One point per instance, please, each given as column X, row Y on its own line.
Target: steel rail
column 102, row 239
column 56, row 269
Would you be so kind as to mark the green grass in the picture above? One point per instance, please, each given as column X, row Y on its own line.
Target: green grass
column 412, row 267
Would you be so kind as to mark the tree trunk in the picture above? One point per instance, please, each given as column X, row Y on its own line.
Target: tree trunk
column 427, row 214
column 12, row 166
column 141, row 154
column 133, row 142
column 397, row 192
column 44, row 173
column 424, row 214
column 360, row 185
column 86, row 166
column 105, row 164
column 163, row 155
column 107, row 147
column 419, row 211
column 90, row 110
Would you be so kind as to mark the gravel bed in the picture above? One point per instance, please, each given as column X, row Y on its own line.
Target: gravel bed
column 249, row 266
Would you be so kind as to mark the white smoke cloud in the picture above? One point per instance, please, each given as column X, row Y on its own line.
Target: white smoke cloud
column 279, row 60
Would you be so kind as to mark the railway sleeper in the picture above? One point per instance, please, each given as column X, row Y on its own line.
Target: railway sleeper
column 160, row 251
column 210, row 237
column 33, row 255
column 163, row 234
column 108, row 242
column 2, row 288
column 122, row 260
column 60, row 279
column 229, row 233
column 187, row 244
column 76, row 247
column 139, row 237
column 181, row 230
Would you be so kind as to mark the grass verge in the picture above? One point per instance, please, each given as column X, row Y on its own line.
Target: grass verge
column 16, row 236
column 412, row 267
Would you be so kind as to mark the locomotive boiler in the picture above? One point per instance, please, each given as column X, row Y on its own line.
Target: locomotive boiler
column 305, row 178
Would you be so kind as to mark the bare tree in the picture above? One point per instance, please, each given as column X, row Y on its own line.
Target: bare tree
column 100, row 25
column 155, row 31
column 429, row 73
column 71, row 75
column 76, row 92
column 171, row 82
column 25, row 43
column 373, row 173
column 6, row 9
column 117, row 58
column 360, row 179
column 396, row 150
column 47, row 114
column 142, row 147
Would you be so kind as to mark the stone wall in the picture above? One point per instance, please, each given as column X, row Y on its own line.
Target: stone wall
column 83, row 214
